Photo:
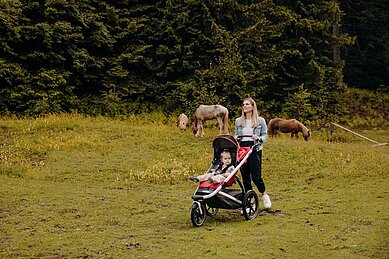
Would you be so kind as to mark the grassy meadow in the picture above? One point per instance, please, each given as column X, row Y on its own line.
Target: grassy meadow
column 74, row 186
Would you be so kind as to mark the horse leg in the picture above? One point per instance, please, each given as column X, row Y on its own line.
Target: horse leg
column 198, row 128
column 220, row 121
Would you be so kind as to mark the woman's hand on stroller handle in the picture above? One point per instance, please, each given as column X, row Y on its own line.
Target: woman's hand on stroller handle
column 257, row 140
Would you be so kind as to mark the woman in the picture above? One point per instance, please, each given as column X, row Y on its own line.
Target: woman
column 254, row 129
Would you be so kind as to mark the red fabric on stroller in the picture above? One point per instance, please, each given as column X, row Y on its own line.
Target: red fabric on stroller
column 207, row 184
column 242, row 152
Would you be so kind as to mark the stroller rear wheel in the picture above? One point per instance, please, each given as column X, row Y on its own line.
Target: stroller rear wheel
column 250, row 205
column 210, row 211
column 197, row 214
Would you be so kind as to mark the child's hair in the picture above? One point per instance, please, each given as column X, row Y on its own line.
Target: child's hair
column 224, row 152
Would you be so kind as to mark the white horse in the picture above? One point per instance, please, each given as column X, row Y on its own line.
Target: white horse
column 209, row 112
column 182, row 122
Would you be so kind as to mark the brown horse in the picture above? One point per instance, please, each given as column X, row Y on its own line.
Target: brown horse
column 209, row 112
column 182, row 122
column 288, row 126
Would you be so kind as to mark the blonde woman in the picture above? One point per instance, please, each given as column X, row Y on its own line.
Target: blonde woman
column 253, row 128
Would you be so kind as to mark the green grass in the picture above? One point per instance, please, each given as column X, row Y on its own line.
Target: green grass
column 72, row 186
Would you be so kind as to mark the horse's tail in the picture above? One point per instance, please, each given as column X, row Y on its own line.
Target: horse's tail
column 270, row 126
column 225, row 122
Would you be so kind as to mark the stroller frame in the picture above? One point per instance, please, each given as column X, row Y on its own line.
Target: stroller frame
column 207, row 201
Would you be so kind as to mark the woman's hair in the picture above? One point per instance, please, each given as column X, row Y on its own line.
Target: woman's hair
column 254, row 118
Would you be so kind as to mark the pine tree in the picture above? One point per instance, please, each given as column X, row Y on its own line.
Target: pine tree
column 367, row 61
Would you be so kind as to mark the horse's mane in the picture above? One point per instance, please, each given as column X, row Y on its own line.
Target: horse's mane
column 304, row 129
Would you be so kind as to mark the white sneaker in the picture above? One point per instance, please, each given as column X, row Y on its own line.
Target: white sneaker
column 266, row 201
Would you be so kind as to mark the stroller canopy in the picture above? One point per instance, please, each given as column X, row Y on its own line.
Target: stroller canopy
column 225, row 142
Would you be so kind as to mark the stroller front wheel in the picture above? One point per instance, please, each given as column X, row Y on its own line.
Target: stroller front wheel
column 197, row 214
column 250, row 205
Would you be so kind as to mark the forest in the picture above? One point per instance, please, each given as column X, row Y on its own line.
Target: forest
column 102, row 57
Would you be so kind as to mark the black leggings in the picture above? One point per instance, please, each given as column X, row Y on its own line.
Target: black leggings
column 252, row 170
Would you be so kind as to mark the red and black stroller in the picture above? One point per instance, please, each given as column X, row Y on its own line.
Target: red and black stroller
column 209, row 197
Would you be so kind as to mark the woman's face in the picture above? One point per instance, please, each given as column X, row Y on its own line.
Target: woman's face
column 247, row 106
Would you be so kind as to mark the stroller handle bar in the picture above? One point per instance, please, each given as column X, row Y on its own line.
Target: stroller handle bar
column 256, row 142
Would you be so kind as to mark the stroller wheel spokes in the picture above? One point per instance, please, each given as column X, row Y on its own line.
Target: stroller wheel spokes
column 197, row 214
column 211, row 211
column 250, row 205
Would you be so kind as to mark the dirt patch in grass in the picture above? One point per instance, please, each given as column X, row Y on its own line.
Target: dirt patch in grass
column 272, row 213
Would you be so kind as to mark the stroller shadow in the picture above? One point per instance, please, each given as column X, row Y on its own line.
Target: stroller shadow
column 230, row 216
column 234, row 216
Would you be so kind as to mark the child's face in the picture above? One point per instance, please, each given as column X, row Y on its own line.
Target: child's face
column 226, row 159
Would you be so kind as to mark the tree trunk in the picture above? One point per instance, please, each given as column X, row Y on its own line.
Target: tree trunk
column 335, row 50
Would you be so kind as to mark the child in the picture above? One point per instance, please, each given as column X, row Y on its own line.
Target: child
column 219, row 174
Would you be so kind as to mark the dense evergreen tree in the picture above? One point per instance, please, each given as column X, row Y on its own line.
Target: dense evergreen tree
column 367, row 61
column 110, row 57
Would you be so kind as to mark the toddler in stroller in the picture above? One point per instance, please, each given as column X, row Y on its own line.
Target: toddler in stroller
column 220, row 173
column 210, row 195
